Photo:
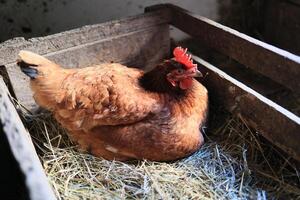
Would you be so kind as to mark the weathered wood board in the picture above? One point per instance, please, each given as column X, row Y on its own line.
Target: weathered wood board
column 142, row 43
column 272, row 62
column 22, row 149
column 81, row 36
column 274, row 122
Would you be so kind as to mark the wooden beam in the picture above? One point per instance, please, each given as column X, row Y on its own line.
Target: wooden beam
column 277, row 64
column 274, row 122
column 81, row 36
column 140, row 48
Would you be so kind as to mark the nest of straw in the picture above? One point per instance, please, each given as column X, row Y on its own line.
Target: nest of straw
column 234, row 163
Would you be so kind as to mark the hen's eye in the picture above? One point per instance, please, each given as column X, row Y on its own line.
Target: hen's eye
column 180, row 71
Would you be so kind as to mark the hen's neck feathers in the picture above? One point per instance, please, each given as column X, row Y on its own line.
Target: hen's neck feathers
column 156, row 81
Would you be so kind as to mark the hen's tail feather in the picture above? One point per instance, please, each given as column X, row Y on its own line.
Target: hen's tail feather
column 29, row 63
column 29, row 71
column 34, row 59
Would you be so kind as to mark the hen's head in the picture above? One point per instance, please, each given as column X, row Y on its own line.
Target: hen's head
column 181, row 69
column 173, row 75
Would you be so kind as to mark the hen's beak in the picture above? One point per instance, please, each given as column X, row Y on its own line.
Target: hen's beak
column 198, row 73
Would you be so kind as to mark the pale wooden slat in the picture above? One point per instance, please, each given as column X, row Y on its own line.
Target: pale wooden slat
column 23, row 149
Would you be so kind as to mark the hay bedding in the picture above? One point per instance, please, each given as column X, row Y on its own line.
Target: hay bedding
column 234, row 163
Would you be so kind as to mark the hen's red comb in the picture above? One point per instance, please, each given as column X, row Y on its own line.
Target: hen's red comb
column 182, row 57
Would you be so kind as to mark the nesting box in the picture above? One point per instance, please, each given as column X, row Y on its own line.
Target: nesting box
column 143, row 41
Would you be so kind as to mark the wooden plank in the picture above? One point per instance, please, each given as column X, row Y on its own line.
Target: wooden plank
column 23, row 149
column 141, row 48
column 274, row 122
column 277, row 64
column 81, row 36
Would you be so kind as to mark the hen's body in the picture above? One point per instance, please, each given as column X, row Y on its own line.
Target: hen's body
column 110, row 113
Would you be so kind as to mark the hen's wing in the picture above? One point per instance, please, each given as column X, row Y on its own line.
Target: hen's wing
column 107, row 94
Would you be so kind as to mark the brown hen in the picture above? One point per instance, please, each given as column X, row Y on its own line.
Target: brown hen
column 122, row 113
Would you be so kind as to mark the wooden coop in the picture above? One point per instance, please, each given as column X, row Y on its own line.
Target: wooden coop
column 144, row 40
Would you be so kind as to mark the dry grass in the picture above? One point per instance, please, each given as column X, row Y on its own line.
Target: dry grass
column 234, row 163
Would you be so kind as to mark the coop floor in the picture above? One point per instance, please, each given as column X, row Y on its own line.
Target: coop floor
column 234, row 163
